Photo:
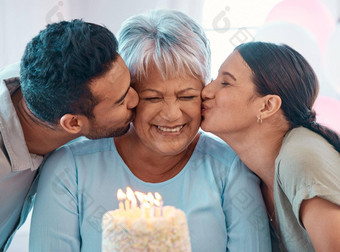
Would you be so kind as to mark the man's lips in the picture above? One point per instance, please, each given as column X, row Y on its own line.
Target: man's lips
column 132, row 117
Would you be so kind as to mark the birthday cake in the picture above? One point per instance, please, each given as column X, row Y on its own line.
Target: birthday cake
column 148, row 230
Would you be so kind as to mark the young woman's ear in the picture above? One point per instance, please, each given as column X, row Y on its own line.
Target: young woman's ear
column 271, row 104
column 73, row 124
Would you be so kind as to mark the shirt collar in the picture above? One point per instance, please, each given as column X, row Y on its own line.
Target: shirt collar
column 11, row 130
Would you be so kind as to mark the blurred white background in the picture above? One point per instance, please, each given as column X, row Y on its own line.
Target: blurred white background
column 310, row 26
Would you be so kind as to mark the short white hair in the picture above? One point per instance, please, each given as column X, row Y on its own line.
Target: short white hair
column 169, row 40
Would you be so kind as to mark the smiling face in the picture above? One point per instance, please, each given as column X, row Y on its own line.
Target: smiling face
column 114, row 112
column 169, row 113
column 230, row 101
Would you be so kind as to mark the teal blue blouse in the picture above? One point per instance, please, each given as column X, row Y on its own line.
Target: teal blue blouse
column 78, row 184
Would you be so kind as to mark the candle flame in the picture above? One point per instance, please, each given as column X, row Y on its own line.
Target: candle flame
column 131, row 196
column 129, row 193
column 158, row 196
column 158, row 199
column 149, row 198
column 152, row 202
column 140, row 196
column 120, row 194
column 146, row 204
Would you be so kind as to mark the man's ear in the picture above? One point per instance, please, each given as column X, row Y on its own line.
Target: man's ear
column 271, row 104
column 73, row 124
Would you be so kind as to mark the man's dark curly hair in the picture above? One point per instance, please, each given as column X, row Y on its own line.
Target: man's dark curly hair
column 59, row 64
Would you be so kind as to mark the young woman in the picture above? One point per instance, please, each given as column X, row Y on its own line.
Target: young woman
column 261, row 104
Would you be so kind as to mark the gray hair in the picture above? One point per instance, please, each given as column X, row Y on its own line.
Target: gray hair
column 169, row 40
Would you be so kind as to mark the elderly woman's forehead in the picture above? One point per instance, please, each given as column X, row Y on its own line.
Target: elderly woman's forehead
column 154, row 72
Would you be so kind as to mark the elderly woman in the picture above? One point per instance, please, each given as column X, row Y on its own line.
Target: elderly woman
column 169, row 59
column 261, row 105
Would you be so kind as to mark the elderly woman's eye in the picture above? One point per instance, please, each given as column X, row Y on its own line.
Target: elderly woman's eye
column 187, row 98
column 152, row 99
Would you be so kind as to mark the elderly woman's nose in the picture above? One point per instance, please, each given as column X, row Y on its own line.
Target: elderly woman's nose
column 171, row 111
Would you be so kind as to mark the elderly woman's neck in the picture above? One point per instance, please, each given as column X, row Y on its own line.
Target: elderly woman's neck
column 149, row 165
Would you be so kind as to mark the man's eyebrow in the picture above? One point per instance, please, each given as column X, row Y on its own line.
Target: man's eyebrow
column 123, row 96
column 229, row 74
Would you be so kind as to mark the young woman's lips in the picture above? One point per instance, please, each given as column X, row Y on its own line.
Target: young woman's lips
column 204, row 108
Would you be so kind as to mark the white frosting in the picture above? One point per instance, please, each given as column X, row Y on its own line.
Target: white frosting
column 129, row 231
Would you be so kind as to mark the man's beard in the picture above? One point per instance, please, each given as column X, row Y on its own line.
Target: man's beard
column 99, row 132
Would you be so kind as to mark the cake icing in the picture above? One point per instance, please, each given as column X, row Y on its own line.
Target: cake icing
column 137, row 230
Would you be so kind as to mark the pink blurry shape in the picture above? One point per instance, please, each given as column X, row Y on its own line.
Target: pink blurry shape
column 328, row 112
column 311, row 14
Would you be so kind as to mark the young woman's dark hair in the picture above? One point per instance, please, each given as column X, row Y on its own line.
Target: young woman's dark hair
column 282, row 71
column 59, row 64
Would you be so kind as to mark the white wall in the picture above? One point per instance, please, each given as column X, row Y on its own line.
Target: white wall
column 21, row 20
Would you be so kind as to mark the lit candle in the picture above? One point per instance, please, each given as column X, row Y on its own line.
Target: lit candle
column 146, row 209
column 151, row 200
column 149, row 205
column 121, row 196
column 141, row 198
column 159, row 204
column 131, row 197
column 127, row 201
